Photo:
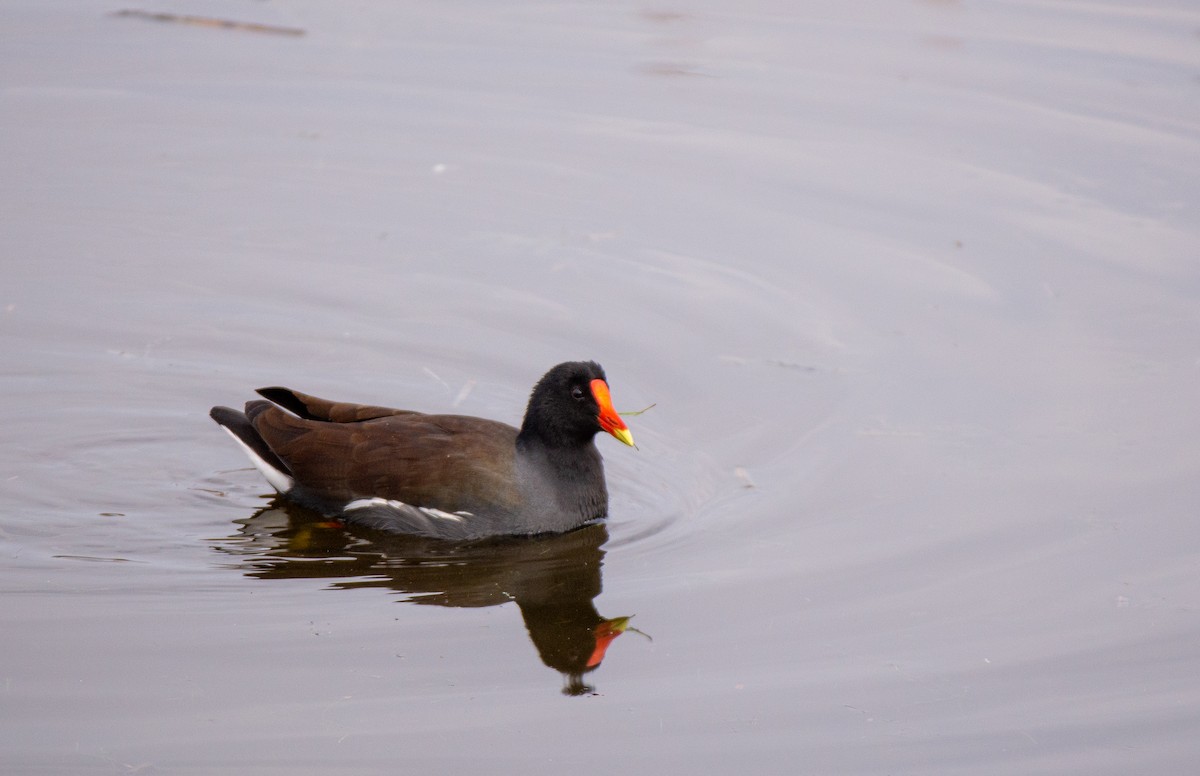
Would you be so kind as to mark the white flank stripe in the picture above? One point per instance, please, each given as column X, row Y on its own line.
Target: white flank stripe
column 378, row 501
column 279, row 481
column 440, row 514
column 363, row 503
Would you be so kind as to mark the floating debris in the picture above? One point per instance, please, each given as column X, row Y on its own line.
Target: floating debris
column 673, row 69
column 435, row 376
column 208, row 21
column 776, row 362
column 96, row 559
column 468, row 386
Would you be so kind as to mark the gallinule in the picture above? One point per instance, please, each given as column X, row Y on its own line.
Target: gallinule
column 446, row 476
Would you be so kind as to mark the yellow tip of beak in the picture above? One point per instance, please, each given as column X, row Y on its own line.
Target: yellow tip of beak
column 624, row 435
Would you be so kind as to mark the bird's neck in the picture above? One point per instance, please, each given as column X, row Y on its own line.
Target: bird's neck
column 563, row 441
column 571, row 456
column 575, row 474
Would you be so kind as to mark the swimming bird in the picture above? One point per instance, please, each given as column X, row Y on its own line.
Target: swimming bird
column 444, row 476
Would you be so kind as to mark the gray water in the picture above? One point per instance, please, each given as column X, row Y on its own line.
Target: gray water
column 914, row 287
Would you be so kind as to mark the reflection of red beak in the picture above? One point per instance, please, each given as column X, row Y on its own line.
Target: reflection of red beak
column 606, row 632
column 608, row 418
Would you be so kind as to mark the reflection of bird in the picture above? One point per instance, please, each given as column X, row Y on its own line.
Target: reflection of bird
column 552, row 579
column 445, row 476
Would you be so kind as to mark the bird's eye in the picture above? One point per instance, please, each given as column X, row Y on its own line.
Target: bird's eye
column 577, row 393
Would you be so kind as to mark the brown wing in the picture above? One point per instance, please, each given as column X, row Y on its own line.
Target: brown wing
column 447, row 462
column 313, row 408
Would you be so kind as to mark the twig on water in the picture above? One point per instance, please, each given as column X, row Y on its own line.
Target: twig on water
column 208, row 21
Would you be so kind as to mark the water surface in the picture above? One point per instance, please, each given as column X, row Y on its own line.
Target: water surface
column 914, row 288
